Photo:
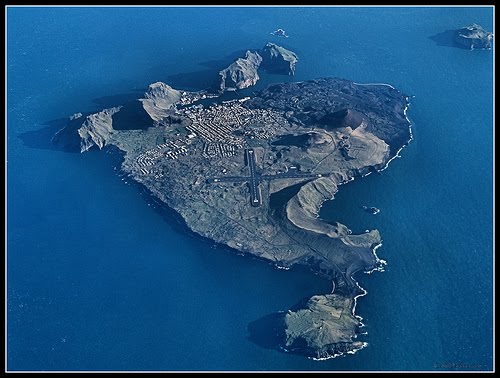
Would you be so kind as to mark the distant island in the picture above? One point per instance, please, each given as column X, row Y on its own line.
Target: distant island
column 280, row 33
column 252, row 173
column 473, row 37
column 371, row 209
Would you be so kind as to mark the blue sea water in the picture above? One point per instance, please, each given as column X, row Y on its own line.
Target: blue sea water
column 98, row 279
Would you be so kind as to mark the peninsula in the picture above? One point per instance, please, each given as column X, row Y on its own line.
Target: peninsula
column 252, row 173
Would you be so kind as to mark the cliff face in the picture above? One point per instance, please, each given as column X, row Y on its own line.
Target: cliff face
column 277, row 59
column 67, row 138
column 302, row 210
column 323, row 328
column 97, row 128
column 84, row 132
column 159, row 98
column 474, row 37
column 242, row 73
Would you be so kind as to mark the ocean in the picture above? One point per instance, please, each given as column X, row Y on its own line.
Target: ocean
column 99, row 277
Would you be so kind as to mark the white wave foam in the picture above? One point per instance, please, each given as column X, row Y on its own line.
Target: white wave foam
column 353, row 351
column 282, row 267
column 387, row 85
column 379, row 263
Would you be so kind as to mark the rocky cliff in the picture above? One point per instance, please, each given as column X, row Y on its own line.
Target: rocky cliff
column 474, row 37
column 277, row 59
column 84, row 132
column 158, row 99
column 325, row 327
column 243, row 72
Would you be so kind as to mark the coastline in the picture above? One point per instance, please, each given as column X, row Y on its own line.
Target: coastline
column 353, row 312
column 409, row 140
column 380, row 263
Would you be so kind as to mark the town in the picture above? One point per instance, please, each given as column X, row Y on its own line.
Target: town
column 219, row 131
column 223, row 128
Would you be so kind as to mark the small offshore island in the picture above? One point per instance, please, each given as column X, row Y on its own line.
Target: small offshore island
column 252, row 173
column 371, row 209
column 474, row 37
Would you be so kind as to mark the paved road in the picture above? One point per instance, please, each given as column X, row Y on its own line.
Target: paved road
column 290, row 175
column 264, row 177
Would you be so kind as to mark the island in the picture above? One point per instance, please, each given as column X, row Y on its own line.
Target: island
column 252, row 173
column 243, row 72
column 371, row 209
column 473, row 37
column 280, row 33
